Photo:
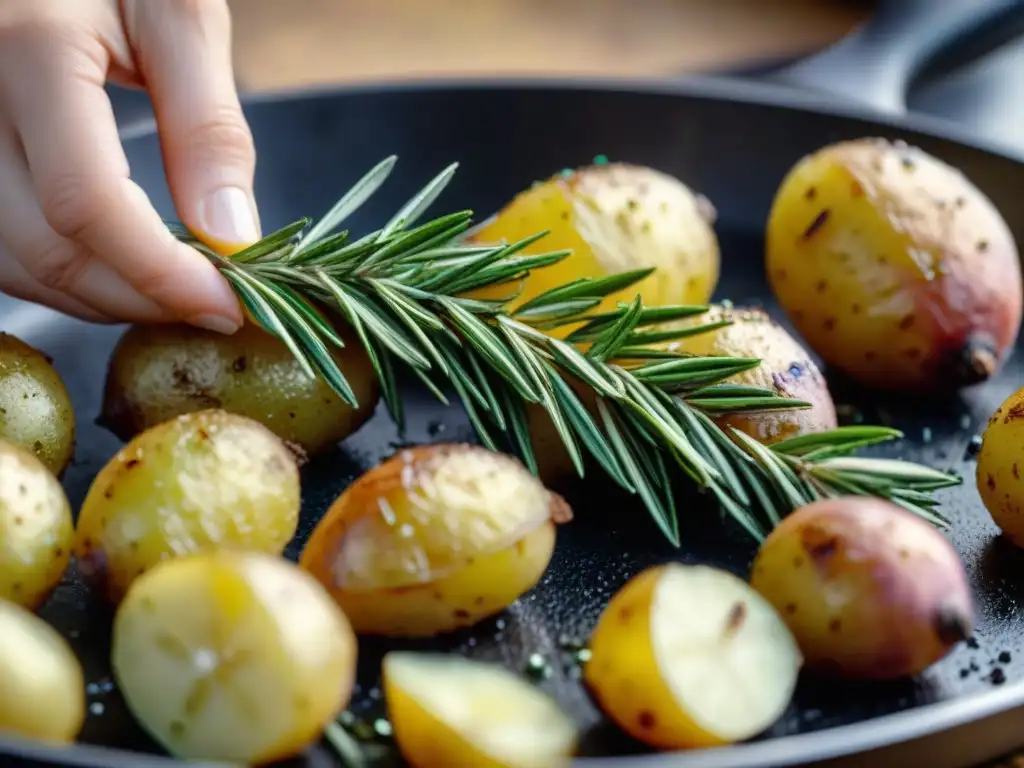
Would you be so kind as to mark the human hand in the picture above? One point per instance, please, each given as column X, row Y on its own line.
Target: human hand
column 75, row 232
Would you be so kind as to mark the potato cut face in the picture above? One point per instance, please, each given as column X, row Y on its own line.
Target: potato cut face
column 497, row 713
column 725, row 654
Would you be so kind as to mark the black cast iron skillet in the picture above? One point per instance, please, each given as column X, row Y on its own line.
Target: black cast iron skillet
column 732, row 140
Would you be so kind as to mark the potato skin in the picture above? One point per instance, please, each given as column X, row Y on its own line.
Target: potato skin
column 36, row 530
column 161, row 371
column 786, row 367
column 435, row 538
column 868, row 589
column 894, row 266
column 999, row 467
column 35, row 408
column 199, row 481
column 43, row 694
column 614, row 217
column 231, row 655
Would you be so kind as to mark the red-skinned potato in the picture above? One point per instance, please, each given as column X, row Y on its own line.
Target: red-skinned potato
column 894, row 266
column 868, row 589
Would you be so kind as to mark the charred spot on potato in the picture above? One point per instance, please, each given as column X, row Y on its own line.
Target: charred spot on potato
column 829, row 323
column 790, row 608
column 820, row 545
column 626, row 614
column 821, row 287
column 907, row 322
column 817, row 224
column 646, row 719
column 737, row 615
column 239, row 364
column 982, row 246
column 461, row 614
column 810, row 193
column 131, row 463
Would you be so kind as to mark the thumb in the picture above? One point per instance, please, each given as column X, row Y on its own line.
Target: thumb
column 184, row 54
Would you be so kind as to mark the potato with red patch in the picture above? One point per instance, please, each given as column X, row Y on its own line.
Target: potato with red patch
column 198, row 482
column 436, row 538
column 1000, row 465
column 158, row 372
column 868, row 589
column 895, row 267
column 615, row 218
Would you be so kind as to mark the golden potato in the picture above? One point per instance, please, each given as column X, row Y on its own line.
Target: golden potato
column 161, row 371
column 199, row 481
column 436, row 538
column 691, row 656
column 36, row 530
column 869, row 589
column 43, row 692
column 35, row 409
column 786, row 367
column 230, row 655
column 451, row 711
column 999, row 467
column 615, row 218
column 894, row 266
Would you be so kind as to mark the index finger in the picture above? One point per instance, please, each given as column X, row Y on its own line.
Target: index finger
column 82, row 180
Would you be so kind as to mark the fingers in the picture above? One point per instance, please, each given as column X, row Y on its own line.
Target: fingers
column 184, row 53
column 80, row 176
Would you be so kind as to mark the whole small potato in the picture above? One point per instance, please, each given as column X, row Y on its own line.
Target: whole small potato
column 43, row 692
column 454, row 712
column 36, row 530
column 999, row 467
column 161, row 371
column 869, row 589
column 35, row 409
column 690, row 656
column 436, row 538
column 895, row 267
column 235, row 656
column 199, row 481
column 615, row 217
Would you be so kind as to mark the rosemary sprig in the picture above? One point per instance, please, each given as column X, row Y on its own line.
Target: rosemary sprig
column 611, row 388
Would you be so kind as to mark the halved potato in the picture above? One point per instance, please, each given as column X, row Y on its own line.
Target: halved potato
column 691, row 656
column 453, row 712
column 231, row 655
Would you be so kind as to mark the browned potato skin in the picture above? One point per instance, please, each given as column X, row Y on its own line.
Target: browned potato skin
column 869, row 590
column 894, row 267
column 161, row 371
column 786, row 367
column 35, row 408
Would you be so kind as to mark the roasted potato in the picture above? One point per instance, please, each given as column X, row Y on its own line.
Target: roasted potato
column 230, row 655
column 691, row 656
column 199, row 481
column 36, row 530
column 161, row 371
column 894, row 266
column 999, row 467
column 615, row 218
column 436, row 538
column 869, row 589
column 43, row 692
column 451, row 711
column 35, row 409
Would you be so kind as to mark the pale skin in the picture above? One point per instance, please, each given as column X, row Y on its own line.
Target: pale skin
column 76, row 233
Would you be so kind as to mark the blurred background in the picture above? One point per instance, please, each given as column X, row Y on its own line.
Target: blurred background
column 314, row 42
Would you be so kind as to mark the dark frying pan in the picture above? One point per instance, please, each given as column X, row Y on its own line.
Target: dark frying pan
column 732, row 140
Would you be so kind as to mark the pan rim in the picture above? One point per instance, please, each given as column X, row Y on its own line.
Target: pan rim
column 829, row 743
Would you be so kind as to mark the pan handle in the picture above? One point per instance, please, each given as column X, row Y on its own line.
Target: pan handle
column 878, row 62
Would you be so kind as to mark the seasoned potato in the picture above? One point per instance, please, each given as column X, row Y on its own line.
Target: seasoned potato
column 43, row 691
column 199, row 481
column 230, row 655
column 786, row 367
column 36, row 530
column 869, row 589
column 615, row 218
column 436, row 538
column 35, row 409
column 691, row 656
column 999, row 467
column 161, row 371
column 450, row 711
column 894, row 266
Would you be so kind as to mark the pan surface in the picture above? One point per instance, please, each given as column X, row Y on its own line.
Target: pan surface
column 734, row 144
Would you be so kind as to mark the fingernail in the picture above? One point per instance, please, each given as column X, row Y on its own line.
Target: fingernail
column 227, row 215
column 216, row 323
